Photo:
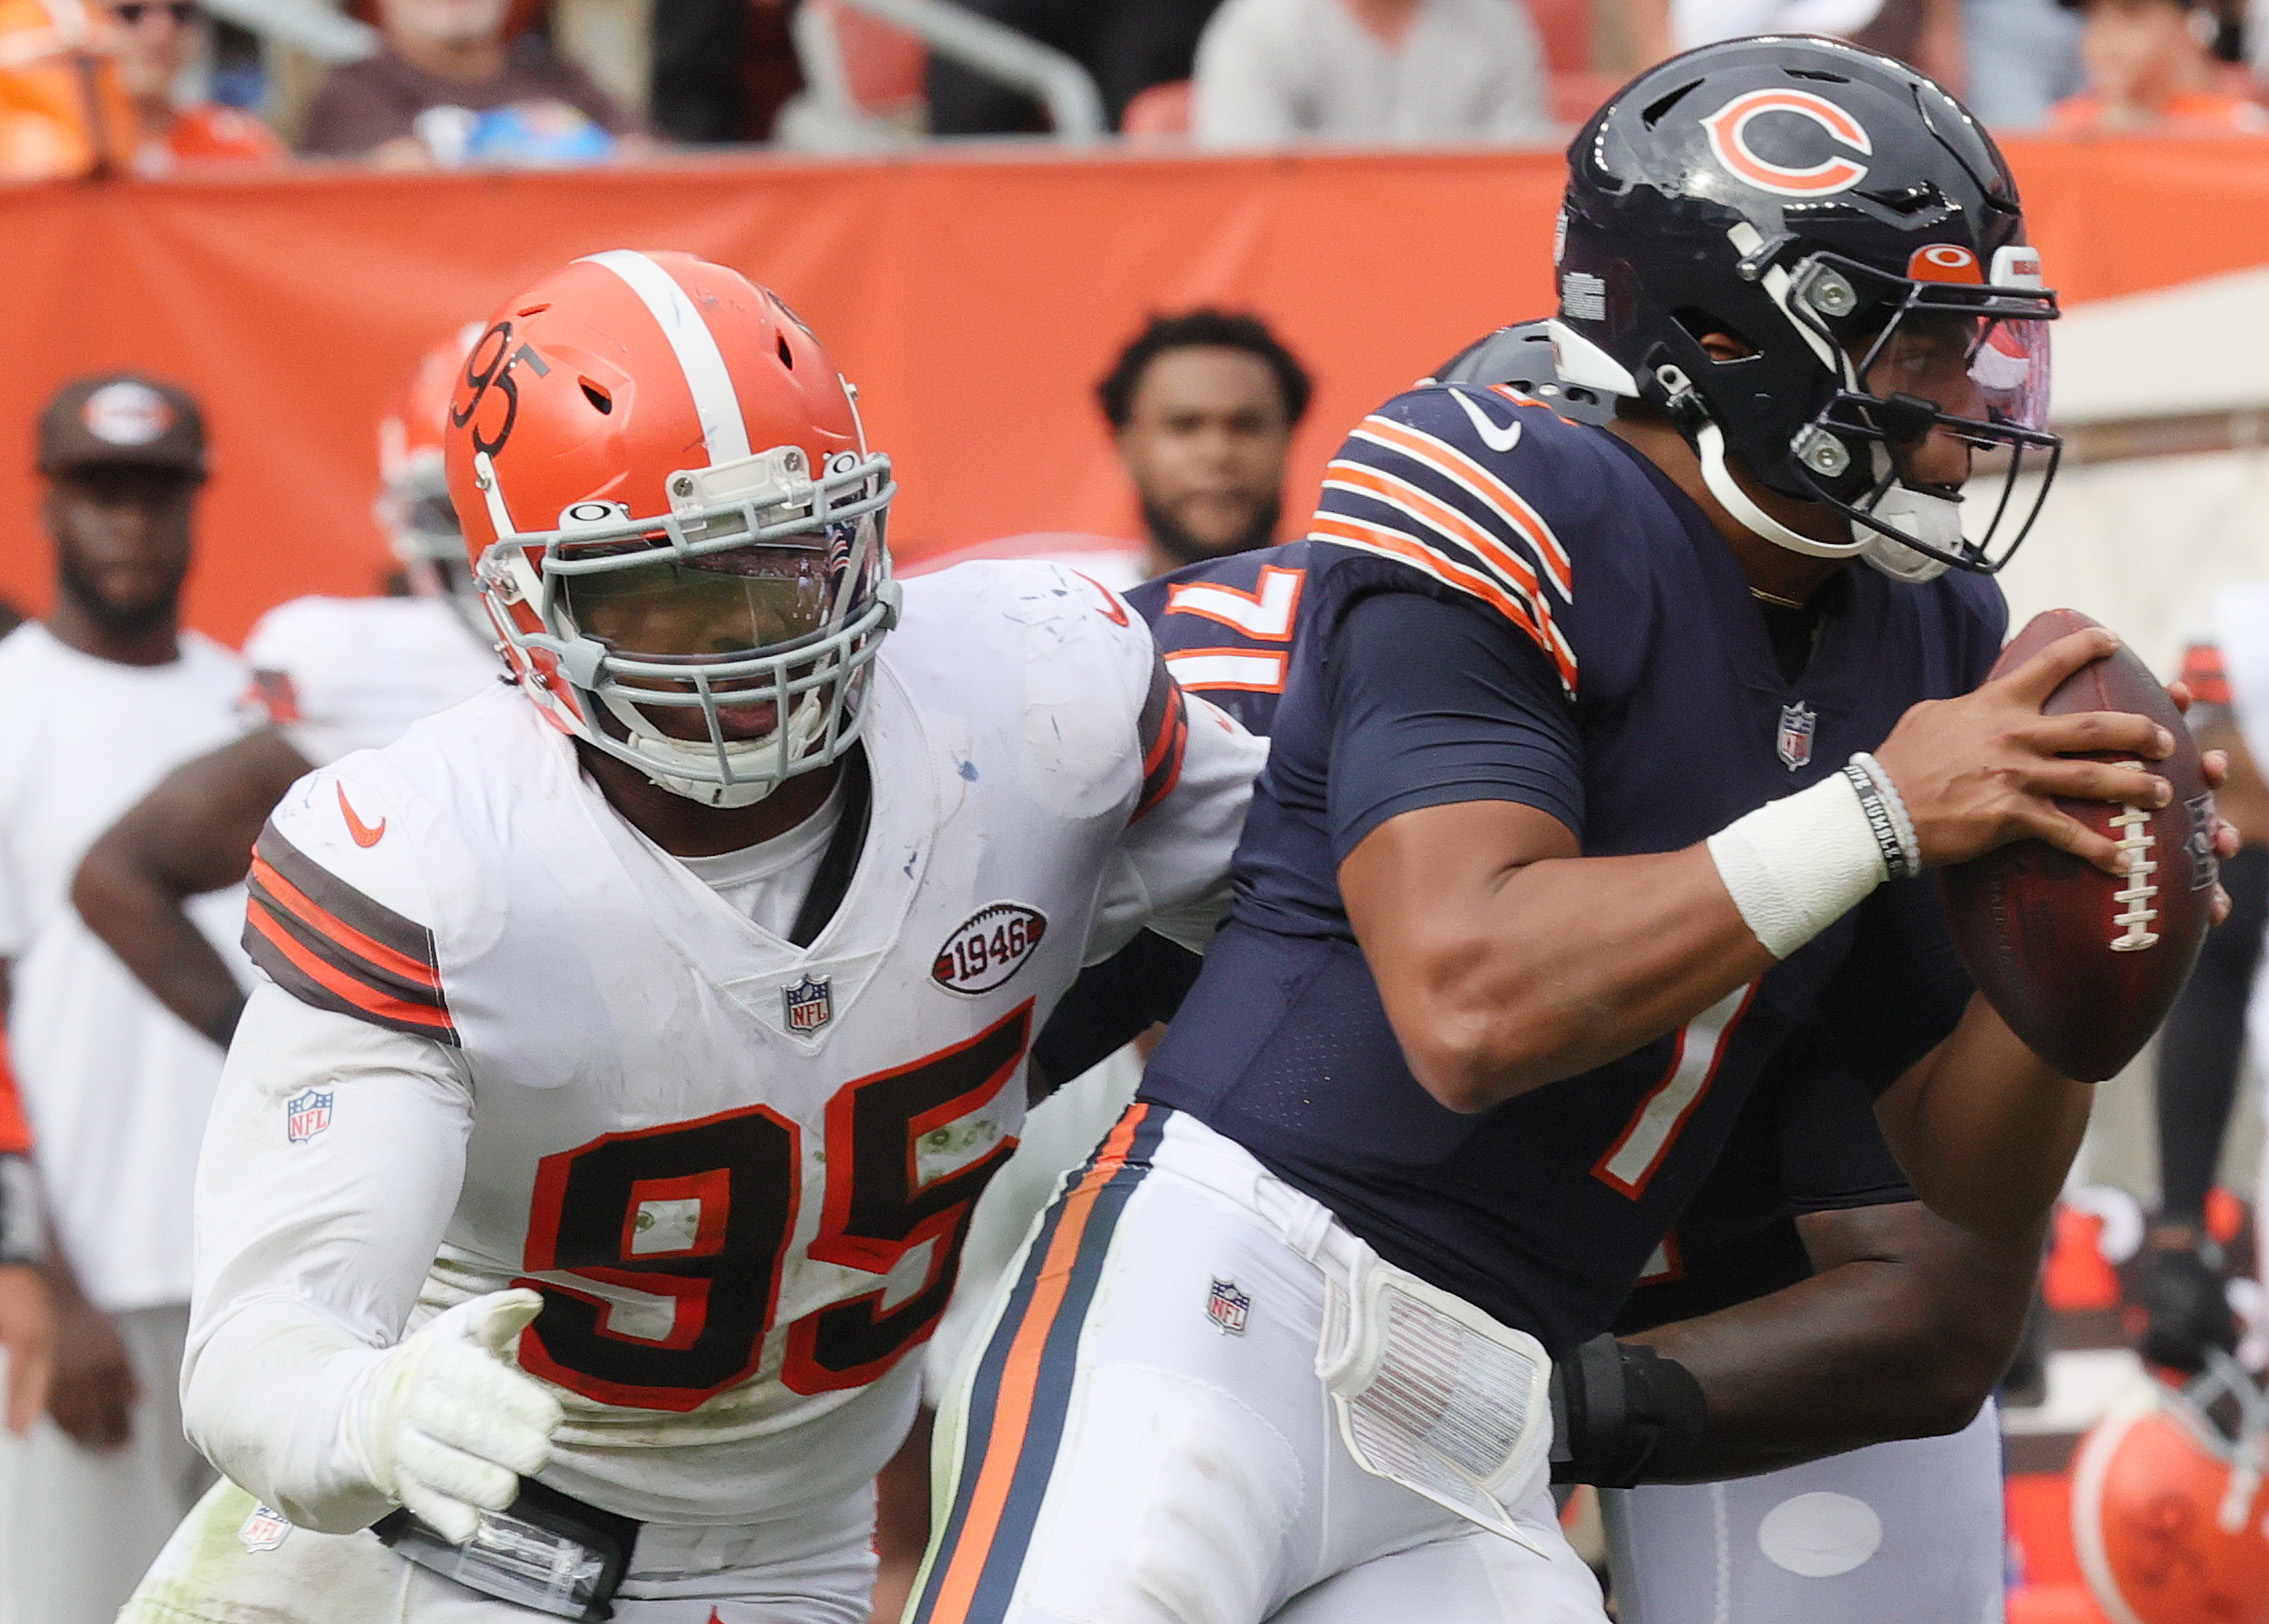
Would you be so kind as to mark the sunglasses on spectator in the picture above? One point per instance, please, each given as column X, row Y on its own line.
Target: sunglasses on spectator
column 129, row 12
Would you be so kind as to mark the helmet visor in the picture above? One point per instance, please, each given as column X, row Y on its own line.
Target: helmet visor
column 658, row 605
column 1982, row 369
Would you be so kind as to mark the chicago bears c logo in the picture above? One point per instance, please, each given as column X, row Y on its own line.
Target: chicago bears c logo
column 1728, row 130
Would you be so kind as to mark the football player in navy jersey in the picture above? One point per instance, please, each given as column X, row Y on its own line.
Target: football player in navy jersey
column 1819, row 1307
column 1570, row 826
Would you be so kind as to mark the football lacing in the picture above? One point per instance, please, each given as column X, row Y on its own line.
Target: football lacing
column 2135, row 844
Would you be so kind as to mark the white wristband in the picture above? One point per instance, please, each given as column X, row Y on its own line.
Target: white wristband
column 1797, row 865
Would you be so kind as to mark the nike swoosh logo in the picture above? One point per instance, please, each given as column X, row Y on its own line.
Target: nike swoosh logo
column 364, row 834
column 1495, row 438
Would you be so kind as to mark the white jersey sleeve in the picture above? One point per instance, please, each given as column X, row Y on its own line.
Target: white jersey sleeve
column 1171, row 871
column 336, row 1146
column 1196, row 765
column 331, row 1163
column 336, row 675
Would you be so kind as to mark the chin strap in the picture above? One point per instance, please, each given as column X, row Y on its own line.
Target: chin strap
column 1709, row 445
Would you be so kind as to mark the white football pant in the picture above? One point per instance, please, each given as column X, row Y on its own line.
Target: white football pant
column 1141, row 1436
column 227, row 1564
column 1899, row 1533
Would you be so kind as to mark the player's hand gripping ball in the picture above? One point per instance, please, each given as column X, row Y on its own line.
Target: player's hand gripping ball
column 2084, row 966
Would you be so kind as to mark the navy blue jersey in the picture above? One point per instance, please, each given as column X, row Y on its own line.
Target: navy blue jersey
column 1805, row 1141
column 1499, row 604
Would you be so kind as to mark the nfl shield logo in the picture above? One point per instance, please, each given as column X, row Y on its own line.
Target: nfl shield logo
column 264, row 1530
column 308, row 1114
column 1797, row 722
column 1228, row 1308
column 808, row 1005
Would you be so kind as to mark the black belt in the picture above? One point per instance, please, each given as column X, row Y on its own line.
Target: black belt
column 550, row 1551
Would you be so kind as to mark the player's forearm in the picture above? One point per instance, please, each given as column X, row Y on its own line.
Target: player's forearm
column 1984, row 1128
column 264, row 1395
column 1849, row 1358
column 1544, row 971
column 331, row 1163
column 139, row 916
column 1902, row 1333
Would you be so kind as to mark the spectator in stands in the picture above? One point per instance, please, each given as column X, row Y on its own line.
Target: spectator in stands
column 2022, row 57
column 722, row 69
column 1128, row 45
column 155, row 40
column 1925, row 34
column 1203, row 406
column 2150, row 68
column 97, row 701
column 450, row 87
column 1270, row 72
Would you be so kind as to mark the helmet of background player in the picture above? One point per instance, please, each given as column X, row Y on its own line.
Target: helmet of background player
column 674, row 521
column 1855, row 228
column 1520, row 358
column 413, row 505
column 2170, row 1514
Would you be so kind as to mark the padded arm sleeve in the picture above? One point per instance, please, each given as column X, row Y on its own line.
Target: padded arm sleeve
column 1437, row 701
column 331, row 1164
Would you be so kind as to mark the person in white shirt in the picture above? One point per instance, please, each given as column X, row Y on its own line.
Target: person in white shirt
column 1274, row 72
column 330, row 676
column 101, row 698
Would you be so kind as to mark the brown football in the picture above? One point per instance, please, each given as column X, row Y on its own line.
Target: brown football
column 2083, row 966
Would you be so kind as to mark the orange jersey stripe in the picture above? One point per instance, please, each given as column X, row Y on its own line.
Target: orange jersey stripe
column 1337, row 528
column 1433, row 510
column 1020, row 1376
column 341, row 984
column 1460, row 469
column 325, row 923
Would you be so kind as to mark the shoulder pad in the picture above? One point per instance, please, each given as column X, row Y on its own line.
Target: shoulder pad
column 1091, row 682
column 340, row 912
column 1462, row 483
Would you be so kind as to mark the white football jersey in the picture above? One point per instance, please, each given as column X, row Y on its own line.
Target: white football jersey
column 337, row 675
column 739, row 1171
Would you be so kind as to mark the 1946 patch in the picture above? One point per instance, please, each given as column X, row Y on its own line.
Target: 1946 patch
column 989, row 947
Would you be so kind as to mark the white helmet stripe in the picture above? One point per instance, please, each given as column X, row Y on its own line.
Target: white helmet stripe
column 703, row 364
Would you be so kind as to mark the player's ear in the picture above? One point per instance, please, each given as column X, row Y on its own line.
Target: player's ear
column 1725, row 347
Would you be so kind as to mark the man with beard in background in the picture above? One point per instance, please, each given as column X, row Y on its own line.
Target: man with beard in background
column 1202, row 406
column 104, row 696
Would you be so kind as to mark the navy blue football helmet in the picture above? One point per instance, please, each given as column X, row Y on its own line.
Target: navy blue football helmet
column 1859, row 234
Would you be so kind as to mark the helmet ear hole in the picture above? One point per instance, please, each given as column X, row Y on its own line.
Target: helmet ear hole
column 600, row 400
column 787, row 357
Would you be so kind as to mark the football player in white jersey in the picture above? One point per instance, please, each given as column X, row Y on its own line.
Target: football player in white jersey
column 635, row 1046
column 330, row 676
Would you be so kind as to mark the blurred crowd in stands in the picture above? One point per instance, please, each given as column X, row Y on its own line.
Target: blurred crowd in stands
column 152, row 87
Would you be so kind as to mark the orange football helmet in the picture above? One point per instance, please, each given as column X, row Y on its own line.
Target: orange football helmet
column 2168, row 1510
column 674, row 520
column 413, row 505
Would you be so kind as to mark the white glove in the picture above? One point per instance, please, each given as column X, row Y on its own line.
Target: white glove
column 445, row 1424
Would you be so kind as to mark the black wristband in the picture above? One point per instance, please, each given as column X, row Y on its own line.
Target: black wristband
column 22, row 1236
column 1623, row 1415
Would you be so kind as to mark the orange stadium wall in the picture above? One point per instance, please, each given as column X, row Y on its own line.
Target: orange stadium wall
column 974, row 299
